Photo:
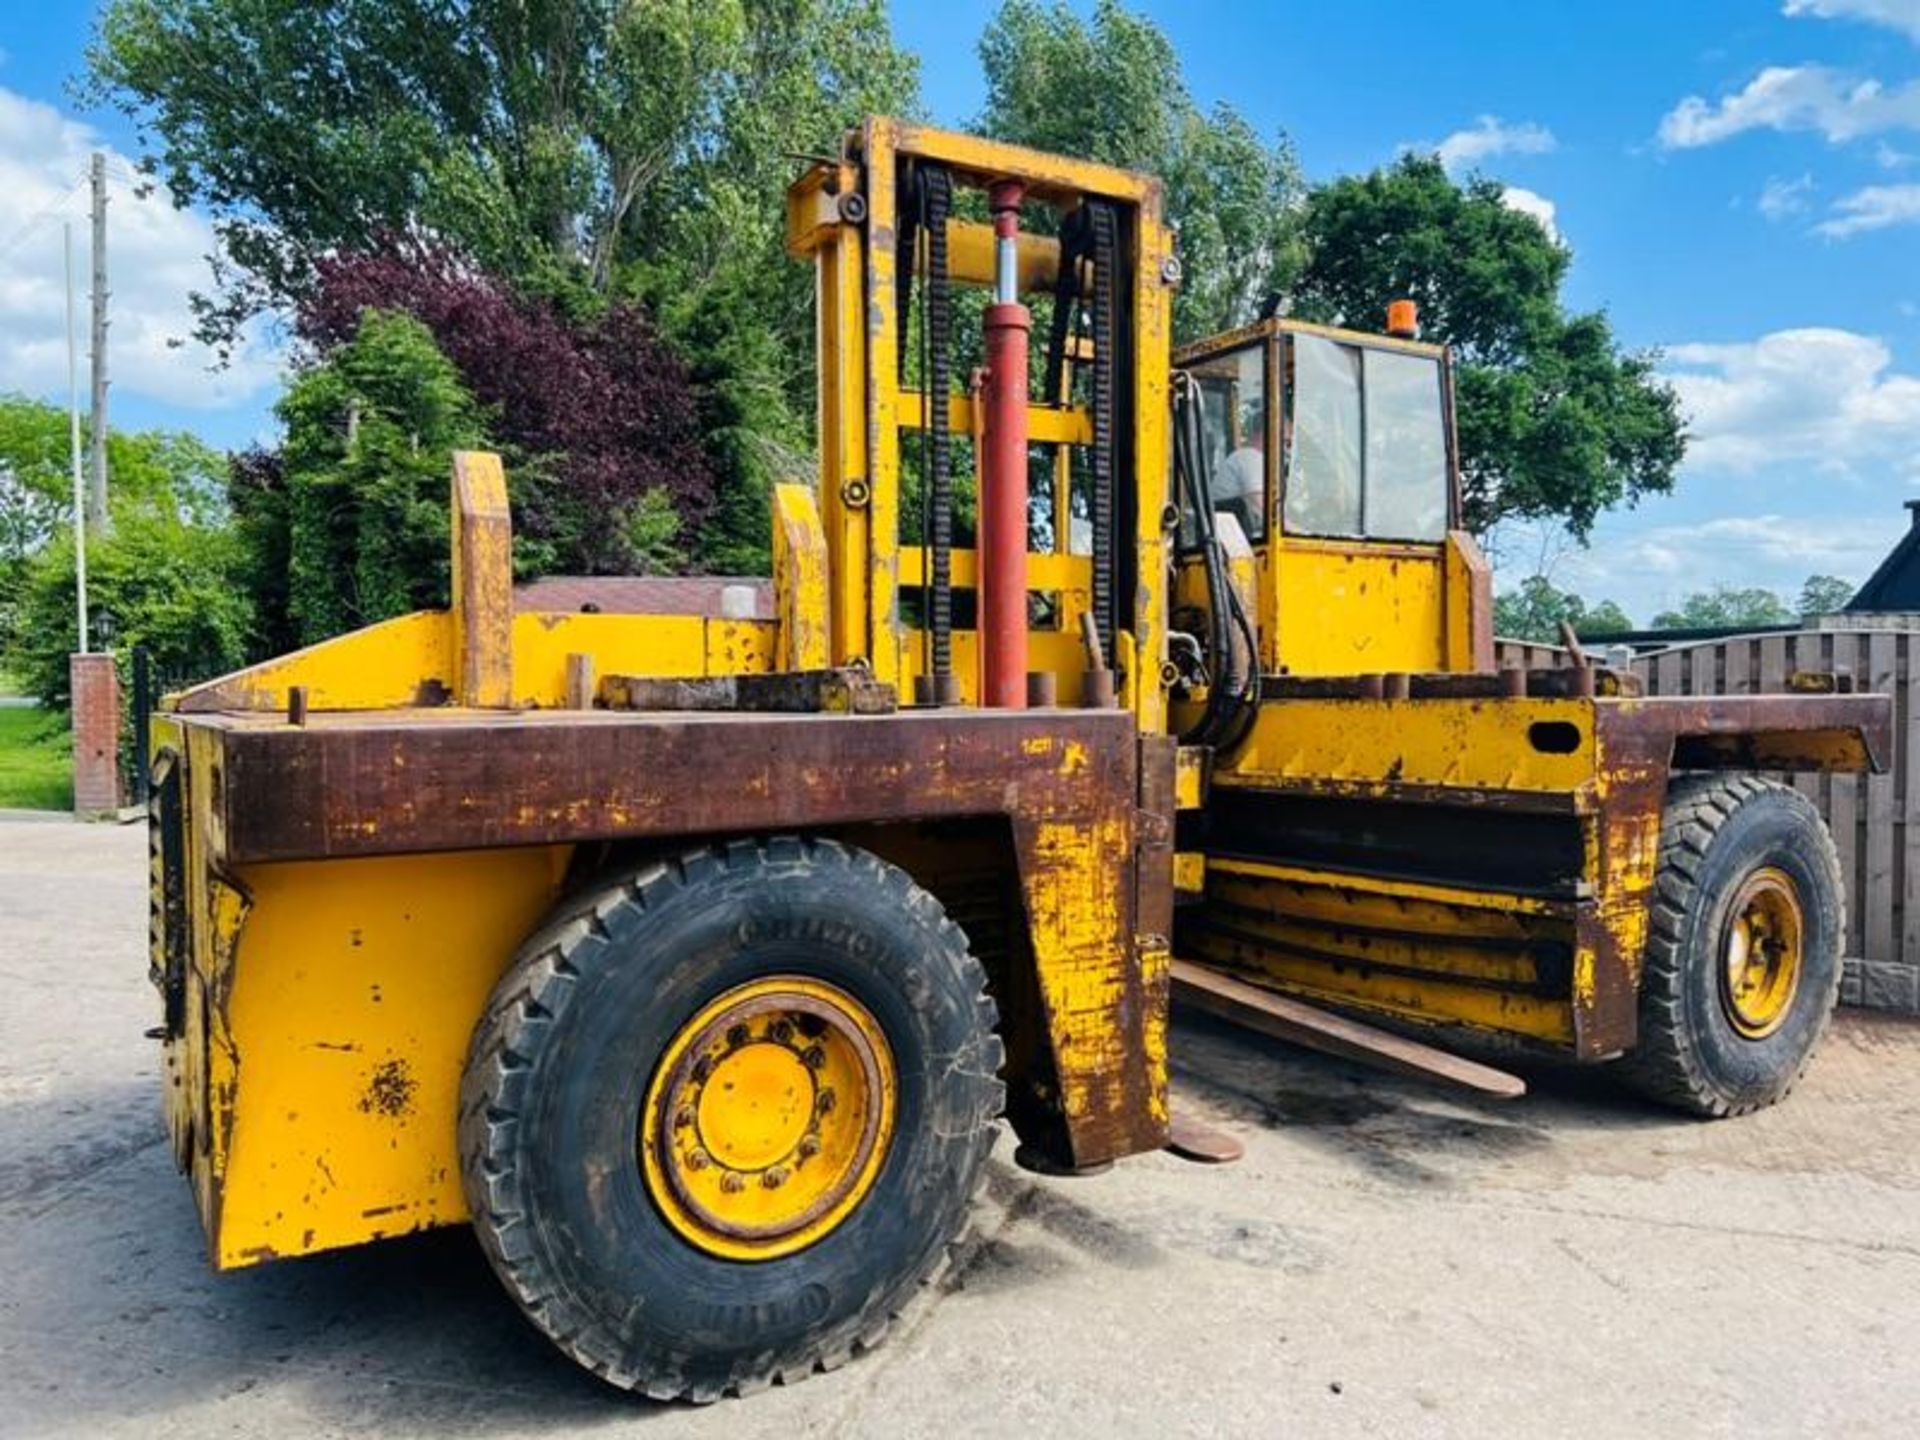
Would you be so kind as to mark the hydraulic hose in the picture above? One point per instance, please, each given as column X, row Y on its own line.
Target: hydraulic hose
column 1233, row 697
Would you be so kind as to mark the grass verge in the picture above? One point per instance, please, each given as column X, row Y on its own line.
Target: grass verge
column 36, row 760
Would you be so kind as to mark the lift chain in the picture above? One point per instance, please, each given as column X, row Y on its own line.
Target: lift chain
column 1105, row 234
column 932, row 203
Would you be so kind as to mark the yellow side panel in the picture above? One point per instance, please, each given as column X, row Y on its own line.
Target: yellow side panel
column 1364, row 887
column 800, row 564
column 1469, row 604
column 1076, row 901
column 482, row 606
column 1358, row 610
column 1365, row 743
column 1431, row 1000
column 386, row 666
column 662, row 645
column 377, row 668
column 353, row 994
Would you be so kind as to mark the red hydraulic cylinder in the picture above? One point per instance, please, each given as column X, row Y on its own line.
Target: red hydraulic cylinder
column 1003, row 470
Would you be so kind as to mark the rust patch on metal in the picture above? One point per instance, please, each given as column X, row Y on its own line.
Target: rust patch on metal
column 390, row 1090
column 1069, row 782
column 1640, row 743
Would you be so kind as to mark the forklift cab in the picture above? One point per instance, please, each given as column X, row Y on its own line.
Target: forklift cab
column 1333, row 455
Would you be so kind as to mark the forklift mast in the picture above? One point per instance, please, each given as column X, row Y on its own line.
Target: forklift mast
column 897, row 232
column 1115, row 546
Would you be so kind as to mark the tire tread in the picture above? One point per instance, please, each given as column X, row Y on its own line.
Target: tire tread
column 537, row 987
column 1666, row 1065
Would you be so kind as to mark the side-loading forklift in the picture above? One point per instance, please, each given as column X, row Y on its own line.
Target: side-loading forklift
column 693, row 959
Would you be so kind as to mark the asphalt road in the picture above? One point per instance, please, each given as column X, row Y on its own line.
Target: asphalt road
column 1385, row 1261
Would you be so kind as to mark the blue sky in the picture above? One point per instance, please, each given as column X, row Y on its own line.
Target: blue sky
column 1739, row 181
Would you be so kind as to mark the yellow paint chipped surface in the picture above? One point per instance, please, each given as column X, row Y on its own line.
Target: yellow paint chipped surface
column 1075, row 900
column 1353, row 609
column 341, row 1025
column 1483, row 744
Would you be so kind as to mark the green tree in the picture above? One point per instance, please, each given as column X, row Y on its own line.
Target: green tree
column 1605, row 618
column 1823, row 595
column 360, row 519
column 1725, row 607
column 161, row 580
column 1556, row 422
column 35, row 492
column 582, row 149
column 1535, row 610
column 1110, row 88
column 168, row 469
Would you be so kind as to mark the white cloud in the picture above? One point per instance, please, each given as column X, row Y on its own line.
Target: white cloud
column 1901, row 15
column 156, row 254
column 1529, row 202
column 1490, row 136
column 1822, row 397
column 1809, row 545
column 1795, row 97
column 1802, row 444
column 1875, row 208
column 1889, row 158
column 1648, row 565
column 1653, row 568
column 1780, row 199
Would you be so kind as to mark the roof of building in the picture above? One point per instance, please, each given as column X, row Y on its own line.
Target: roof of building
column 1896, row 584
column 735, row 597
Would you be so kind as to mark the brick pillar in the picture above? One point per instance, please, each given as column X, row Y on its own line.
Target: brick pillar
column 96, row 733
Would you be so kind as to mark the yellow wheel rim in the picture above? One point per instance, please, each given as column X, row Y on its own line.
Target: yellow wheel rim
column 768, row 1118
column 1762, row 953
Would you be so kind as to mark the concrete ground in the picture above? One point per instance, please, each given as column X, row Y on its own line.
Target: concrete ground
column 1385, row 1261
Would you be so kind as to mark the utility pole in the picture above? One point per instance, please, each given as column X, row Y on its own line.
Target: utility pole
column 97, row 492
column 73, row 448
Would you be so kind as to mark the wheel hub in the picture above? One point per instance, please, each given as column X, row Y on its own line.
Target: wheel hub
column 768, row 1117
column 1762, row 951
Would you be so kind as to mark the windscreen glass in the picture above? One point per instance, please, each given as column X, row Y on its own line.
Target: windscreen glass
column 1367, row 448
column 1324, row 467
column 1406, row 448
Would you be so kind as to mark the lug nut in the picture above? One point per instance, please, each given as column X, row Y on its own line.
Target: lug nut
column 774, row 1178
column 698, row 1160
column 809, row 1147
column 782, row 1031
column 738, row 1035
column 813, row 1057
column 733, row 1182
column 825, row 1103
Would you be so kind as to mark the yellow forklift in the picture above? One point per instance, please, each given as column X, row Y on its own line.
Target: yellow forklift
column 693, row 959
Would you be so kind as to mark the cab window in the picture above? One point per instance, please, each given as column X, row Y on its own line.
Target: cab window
column 1406, row 447
column 1324, row 470
column 1233, row 401
column 1368, row 445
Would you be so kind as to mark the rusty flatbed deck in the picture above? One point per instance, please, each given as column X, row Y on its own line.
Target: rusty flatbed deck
column 1084, row 804
column 385, row 782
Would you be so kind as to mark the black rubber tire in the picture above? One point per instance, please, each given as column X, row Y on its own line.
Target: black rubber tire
column 1716, row 831
column 559, row 1069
